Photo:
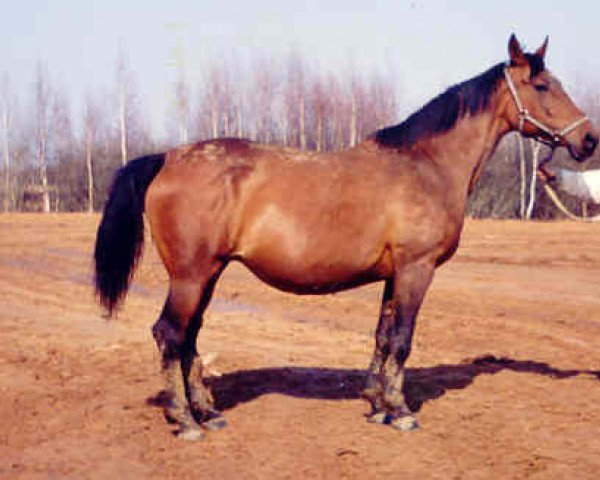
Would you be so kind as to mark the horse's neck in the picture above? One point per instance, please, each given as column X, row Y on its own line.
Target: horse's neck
column 461, row 153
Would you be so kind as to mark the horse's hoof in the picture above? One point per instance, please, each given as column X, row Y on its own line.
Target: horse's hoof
column 191, row 434
column 381, row 418
column 216, row 423
column 406, row 423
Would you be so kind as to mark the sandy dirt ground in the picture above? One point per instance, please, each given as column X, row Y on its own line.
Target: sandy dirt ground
column 504, row 373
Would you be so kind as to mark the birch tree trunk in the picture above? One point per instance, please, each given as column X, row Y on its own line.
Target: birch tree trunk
column 43, row 169
column 5, row 96
column 123, row 123
column 6, row 157
column 42, row 100
column 320, row 133
column 226, row 132
column 302, row 120
column 91, row 125
column 183, row 108
column 214, row 117
column 123, row 94
column 238, row 121
column 353, row 122
column 89, row 168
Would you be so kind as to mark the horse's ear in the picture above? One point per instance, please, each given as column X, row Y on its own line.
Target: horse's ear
column 517, row 57
column 541, row 52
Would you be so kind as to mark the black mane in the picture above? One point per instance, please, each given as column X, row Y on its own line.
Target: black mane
column 443, row 112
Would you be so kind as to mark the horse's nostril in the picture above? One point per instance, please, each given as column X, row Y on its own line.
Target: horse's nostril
column 590, row 142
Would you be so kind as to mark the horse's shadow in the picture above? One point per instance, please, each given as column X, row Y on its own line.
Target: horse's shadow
column 421, row 384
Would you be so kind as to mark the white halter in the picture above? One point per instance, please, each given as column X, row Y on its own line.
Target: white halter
column 524, row 116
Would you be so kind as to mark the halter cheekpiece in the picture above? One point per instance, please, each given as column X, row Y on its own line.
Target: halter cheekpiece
column 524, row 116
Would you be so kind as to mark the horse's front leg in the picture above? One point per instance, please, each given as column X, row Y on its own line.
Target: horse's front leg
column 374, row 385
column 410, row 284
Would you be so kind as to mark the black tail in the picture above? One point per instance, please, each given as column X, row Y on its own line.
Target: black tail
column 120, row 235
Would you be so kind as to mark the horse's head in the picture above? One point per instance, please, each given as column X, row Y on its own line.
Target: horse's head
column 538, row 106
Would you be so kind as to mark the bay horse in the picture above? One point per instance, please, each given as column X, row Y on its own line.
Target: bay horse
column 390, row 209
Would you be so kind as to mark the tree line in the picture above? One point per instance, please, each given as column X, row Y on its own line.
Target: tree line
column 55, row 160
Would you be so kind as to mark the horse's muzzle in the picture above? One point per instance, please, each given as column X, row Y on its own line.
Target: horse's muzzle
column 586, row 147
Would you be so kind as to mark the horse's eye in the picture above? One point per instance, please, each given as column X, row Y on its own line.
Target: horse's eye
column 541, row 87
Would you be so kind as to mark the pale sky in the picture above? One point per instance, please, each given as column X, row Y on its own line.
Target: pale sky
column 429, row 44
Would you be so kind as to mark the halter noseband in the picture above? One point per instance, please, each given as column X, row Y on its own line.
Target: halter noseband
column 524, row 116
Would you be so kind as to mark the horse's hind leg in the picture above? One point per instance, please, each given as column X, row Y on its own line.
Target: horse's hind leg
column 171, row 335
column 200, row 399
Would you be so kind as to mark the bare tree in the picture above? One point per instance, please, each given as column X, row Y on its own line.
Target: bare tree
column 340, row 109
column 321, row 110
column 62, row 131
column 262, row 100
column 295, row 100
column 134, row 135
column 353, row 126
column 214, row 95
column 90, row 124
column 42, row 103
column 5, row 105
column 280, row 102
column 380, row 105
column 183, row 108
column 123, row 81
column 180, row 85
column 217, row 114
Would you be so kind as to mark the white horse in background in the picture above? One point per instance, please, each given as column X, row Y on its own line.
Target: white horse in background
column 583, row 185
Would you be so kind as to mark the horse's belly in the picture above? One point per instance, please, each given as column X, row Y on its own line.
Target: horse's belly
column 322, row 262
column 310, row 278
